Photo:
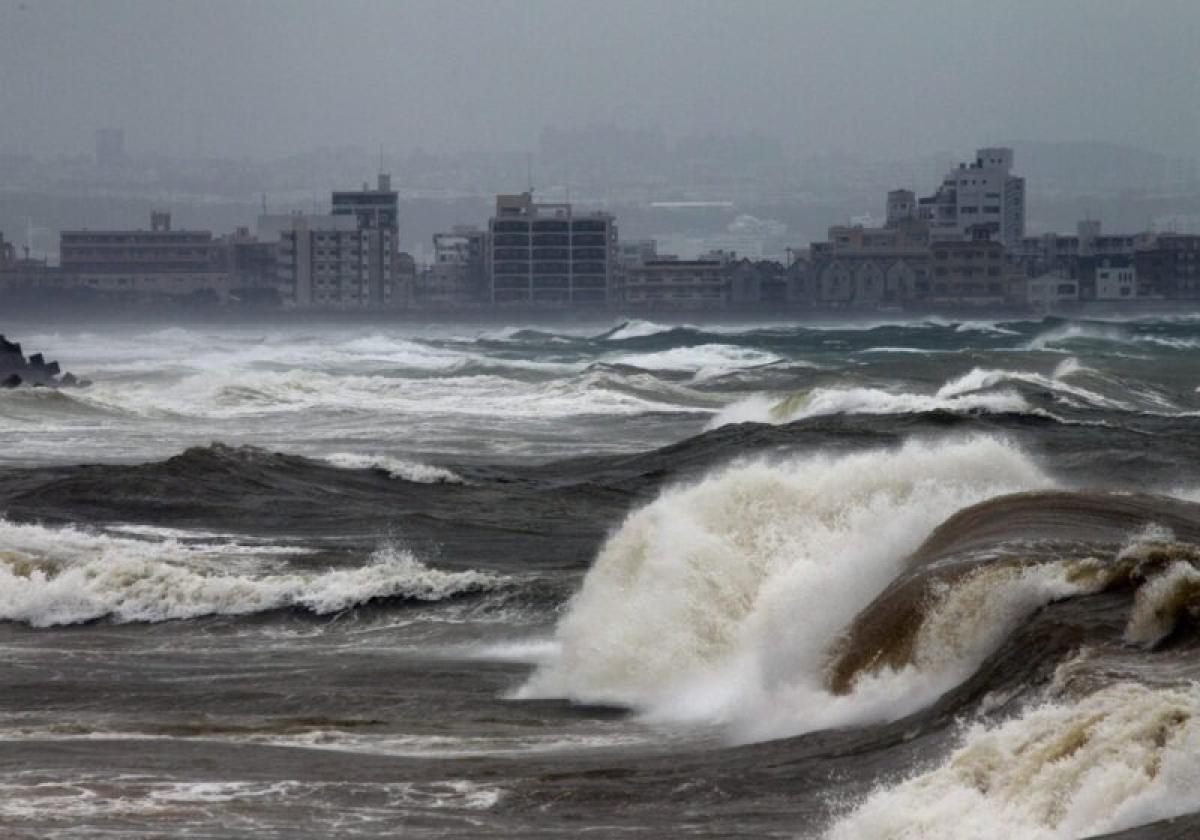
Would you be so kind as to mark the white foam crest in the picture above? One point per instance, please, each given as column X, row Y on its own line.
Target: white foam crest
column 863, row 400
column 94, row 796
column 232, row 394
column 719, row 602
column 1077, row 332
column 704, row 361
column 638, row 329
column 399, row 468
column 54, row 576
column 1124, row 756
column 984, row 327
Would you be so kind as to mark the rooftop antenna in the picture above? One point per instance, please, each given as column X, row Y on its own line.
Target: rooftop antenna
column 529, row 166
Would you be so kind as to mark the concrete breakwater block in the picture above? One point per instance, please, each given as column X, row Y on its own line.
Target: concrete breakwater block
column 16, row 370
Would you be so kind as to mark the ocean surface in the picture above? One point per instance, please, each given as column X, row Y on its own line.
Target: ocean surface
column 892, row 579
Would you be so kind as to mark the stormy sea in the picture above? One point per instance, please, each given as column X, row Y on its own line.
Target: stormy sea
column 896, row 579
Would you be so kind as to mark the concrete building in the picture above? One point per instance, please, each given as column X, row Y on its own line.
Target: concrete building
column 1051, row 292
column 677, row 284
column 321, row 260
column 458, row 274
column 978, row 200
column 860, row 266
column 638, row 251
column 971, row 274
column 1116, row 281
column 546, row 254
column 376, row 214
column 1168, row 266
column 156, row 261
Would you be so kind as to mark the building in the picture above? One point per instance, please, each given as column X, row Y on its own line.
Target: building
column 859, row 266
column 156, row 261
column 459, row 270
column 253, row 267
column 548, row 255
column 376, row 214
column 979, row 200
column 1050, row 292
column 970, row 274
column 637, row 251
column 1168, row 266
column 321, row 260
column 669, row 283
column 8, row 254
column 1116, row 281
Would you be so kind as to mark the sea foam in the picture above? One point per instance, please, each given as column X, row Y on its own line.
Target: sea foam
column 719, row 602
column 54, row 576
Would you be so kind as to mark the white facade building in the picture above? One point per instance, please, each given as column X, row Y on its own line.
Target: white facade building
column 1114, row 283
column 979, row 200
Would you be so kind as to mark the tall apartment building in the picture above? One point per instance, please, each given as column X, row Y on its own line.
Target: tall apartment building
column 160, row 260
column 376, row 214
column 320, row 260
column 548, row 255
column 978, row 200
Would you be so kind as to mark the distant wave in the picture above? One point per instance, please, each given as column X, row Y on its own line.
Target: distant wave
column 636, row 329
column 978, row 390
column 53, row 576
column 395, row 467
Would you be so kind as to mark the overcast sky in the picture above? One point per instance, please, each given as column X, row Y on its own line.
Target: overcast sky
column 884, row 79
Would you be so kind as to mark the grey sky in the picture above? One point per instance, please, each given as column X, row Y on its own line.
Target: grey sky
column 885, row 79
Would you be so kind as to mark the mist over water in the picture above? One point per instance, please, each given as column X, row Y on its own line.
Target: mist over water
column 893, row 579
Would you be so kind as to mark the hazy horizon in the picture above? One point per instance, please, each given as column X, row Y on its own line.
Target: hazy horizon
column 273, row 78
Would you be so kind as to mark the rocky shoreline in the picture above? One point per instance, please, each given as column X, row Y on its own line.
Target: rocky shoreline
column 16, row 370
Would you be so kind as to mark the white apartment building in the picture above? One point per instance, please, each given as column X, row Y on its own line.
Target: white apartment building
column 1116, row 283
column 978, row 200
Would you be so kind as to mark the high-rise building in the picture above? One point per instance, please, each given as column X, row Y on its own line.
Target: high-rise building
column 376, row 215
column 547, row 254
column 978, row 200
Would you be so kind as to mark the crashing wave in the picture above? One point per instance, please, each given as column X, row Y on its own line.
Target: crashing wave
column 720, row 601
column 69, row 576
column 1126, row 755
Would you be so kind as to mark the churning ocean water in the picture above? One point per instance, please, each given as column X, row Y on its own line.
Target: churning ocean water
column 911, row 579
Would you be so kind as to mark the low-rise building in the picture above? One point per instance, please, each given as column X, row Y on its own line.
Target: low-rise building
column 1051, row 291
column 1116, row 281
column 677, row 284
column 160, row 261
column 970, row 274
